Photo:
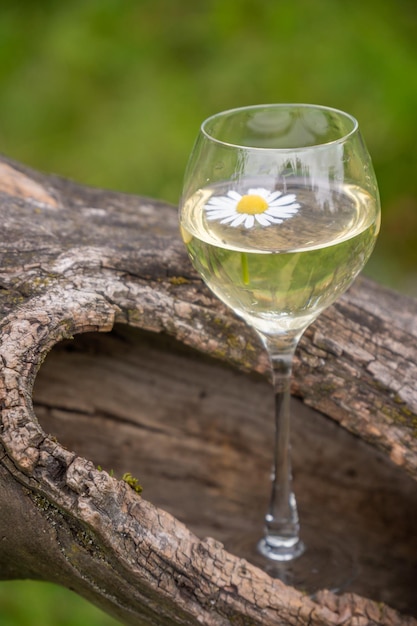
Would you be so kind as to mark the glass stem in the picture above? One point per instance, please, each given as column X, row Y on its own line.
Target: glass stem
column 281, row 541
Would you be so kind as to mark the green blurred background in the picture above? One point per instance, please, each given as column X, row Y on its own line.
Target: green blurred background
column 111, row 93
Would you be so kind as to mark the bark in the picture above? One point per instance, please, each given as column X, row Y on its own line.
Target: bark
column 76, row 262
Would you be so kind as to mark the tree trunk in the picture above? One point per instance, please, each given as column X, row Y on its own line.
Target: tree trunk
column 116, row 363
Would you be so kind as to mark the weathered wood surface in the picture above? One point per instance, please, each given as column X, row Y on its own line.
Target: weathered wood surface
column 75, row 260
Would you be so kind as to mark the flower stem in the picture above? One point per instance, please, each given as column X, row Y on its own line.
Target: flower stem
column 245, row 268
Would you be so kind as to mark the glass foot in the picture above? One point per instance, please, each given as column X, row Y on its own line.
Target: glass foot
column 323, row 564
column 281, row 552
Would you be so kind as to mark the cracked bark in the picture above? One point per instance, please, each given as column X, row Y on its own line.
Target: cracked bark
column 144, row 370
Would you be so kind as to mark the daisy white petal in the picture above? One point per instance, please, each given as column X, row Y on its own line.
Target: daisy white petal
column 238, row 220
column 263, row 219
column 221, row 202
column 228, row 219
column 284, row 210
column 289, row 199
column 219, row 215
column 274, row 195
column 259, row 191
column 234, row 194
column 250, row 220
column 213, row 217
column 279, row 212
column 220, row 211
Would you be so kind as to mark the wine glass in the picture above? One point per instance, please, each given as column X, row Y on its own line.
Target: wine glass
column 279, row 213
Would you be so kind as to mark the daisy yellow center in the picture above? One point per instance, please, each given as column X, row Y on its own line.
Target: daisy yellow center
column 252, row 204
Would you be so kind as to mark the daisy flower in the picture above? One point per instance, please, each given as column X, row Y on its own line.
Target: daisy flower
column 257, row 206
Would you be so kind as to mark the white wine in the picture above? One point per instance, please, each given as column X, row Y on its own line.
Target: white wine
column 279, row 274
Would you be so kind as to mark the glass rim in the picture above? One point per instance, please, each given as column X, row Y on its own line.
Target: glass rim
column 283, row 105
